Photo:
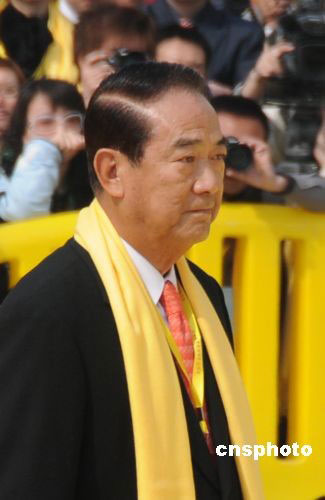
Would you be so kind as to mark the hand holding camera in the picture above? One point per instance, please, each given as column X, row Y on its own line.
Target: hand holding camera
column 260, row 172
column 268, row 65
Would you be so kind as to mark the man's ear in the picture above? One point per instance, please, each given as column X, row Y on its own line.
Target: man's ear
column 107, row 165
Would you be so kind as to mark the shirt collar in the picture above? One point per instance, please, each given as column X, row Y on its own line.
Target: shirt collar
column 152, row 278
column 68, row 11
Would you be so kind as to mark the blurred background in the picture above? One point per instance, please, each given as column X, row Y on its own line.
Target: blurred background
column 264, row 63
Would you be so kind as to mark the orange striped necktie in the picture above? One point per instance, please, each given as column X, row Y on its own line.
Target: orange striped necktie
column 178, row 324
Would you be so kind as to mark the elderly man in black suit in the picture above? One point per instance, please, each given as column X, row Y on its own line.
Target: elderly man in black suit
column 118, row 377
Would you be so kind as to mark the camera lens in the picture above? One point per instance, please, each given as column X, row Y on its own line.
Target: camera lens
column 125, row 57
column 239, row 156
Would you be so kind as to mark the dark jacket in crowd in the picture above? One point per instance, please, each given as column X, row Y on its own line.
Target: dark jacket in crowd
column 235, row 43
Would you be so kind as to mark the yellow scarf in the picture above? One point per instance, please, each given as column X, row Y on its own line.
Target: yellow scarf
column 162, row 450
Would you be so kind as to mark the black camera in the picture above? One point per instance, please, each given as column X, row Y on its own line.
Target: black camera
column 125, row 57
column 300, row 92
column 303, row 25
column 239, row 156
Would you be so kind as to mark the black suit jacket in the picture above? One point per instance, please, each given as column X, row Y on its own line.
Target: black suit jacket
column 65, row 421
column 235, row 43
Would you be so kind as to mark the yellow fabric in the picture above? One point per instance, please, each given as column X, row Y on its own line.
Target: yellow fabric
column 162, row 450
column 58, row 60
column 198, row 367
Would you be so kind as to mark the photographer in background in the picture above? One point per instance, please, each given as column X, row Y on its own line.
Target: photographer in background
column 268, row 65
column 289, row 77
column 244, row 119
column 100, row 33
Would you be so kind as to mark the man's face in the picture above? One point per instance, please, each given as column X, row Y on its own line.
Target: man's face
column 94, row 68
column 175, row 192
column 240, row 127
column 175, row 50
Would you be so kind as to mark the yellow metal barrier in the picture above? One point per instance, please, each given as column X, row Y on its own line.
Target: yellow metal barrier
column 258, row 231
column 24, row 244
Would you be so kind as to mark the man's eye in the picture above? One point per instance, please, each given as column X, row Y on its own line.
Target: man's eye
column 188, row 159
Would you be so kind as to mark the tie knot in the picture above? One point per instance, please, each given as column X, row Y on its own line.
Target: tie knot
column 171, row 299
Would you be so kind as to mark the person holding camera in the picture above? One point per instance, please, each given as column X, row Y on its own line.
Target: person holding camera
column 260, row 182
column 100, row 33
column 268, row 65
column 289, row 78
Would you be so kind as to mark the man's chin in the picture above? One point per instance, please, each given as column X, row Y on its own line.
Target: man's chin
column 201, row 234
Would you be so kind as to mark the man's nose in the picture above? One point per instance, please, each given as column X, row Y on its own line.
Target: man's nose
column 210, row 179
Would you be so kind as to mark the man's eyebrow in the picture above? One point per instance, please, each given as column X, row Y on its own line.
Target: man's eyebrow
column 184, row 142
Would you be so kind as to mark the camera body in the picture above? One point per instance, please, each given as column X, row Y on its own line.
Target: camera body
column 239, row 156
column 124, row 57
column 303, row 80
column 304, row 27
column 300, row 93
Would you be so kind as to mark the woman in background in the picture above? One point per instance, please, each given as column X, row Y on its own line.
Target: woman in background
column 43, row 171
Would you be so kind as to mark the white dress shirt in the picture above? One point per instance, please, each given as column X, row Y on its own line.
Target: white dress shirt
column 151, row 277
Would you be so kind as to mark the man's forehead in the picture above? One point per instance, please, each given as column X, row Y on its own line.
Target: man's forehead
column 186, row 115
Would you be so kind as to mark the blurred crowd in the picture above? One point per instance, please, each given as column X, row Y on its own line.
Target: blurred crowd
column 55, row 53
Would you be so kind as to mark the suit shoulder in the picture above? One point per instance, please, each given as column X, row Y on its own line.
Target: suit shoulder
column 59, row 277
